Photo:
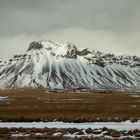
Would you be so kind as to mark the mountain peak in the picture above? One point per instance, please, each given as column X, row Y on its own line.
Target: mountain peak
column 67, row 49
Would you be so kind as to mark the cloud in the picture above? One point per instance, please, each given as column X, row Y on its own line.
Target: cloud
column 106, row 25
column 102, row 40
column 33, row 16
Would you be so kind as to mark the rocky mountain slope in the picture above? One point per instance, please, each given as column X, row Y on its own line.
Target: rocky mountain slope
column 56, row 66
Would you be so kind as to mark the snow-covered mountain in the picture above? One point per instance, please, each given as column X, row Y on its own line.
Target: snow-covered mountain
column 56, row 66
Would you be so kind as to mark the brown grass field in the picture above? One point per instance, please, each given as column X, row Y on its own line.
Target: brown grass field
column 37, row 105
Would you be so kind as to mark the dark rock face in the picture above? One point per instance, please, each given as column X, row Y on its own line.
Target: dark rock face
column 72, row 51
column 83, row 52
column 100, row 62
column 35, row 45
column 89, row 131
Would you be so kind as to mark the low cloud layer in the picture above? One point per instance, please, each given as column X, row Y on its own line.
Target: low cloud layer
column 105, row 25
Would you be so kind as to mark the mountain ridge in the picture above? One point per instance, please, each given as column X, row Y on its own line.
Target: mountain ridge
column 63, row 66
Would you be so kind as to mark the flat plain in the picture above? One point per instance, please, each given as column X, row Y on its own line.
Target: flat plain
column 37, row 105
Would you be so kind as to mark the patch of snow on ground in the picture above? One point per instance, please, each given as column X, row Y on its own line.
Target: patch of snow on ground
column 57, row 134
column 20, row 135
column 134, row 106
column 127, row 125
column 136, row 96
column 2, row 98
column 38, row 134
column 76, row 135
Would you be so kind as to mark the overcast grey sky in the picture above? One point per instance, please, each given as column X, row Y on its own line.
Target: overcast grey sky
column 105, row 25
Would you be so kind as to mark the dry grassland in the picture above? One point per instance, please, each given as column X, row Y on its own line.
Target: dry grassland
column 37, row 105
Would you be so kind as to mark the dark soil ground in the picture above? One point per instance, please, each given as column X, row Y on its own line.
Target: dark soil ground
column 59, row 134
column 37, row 105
